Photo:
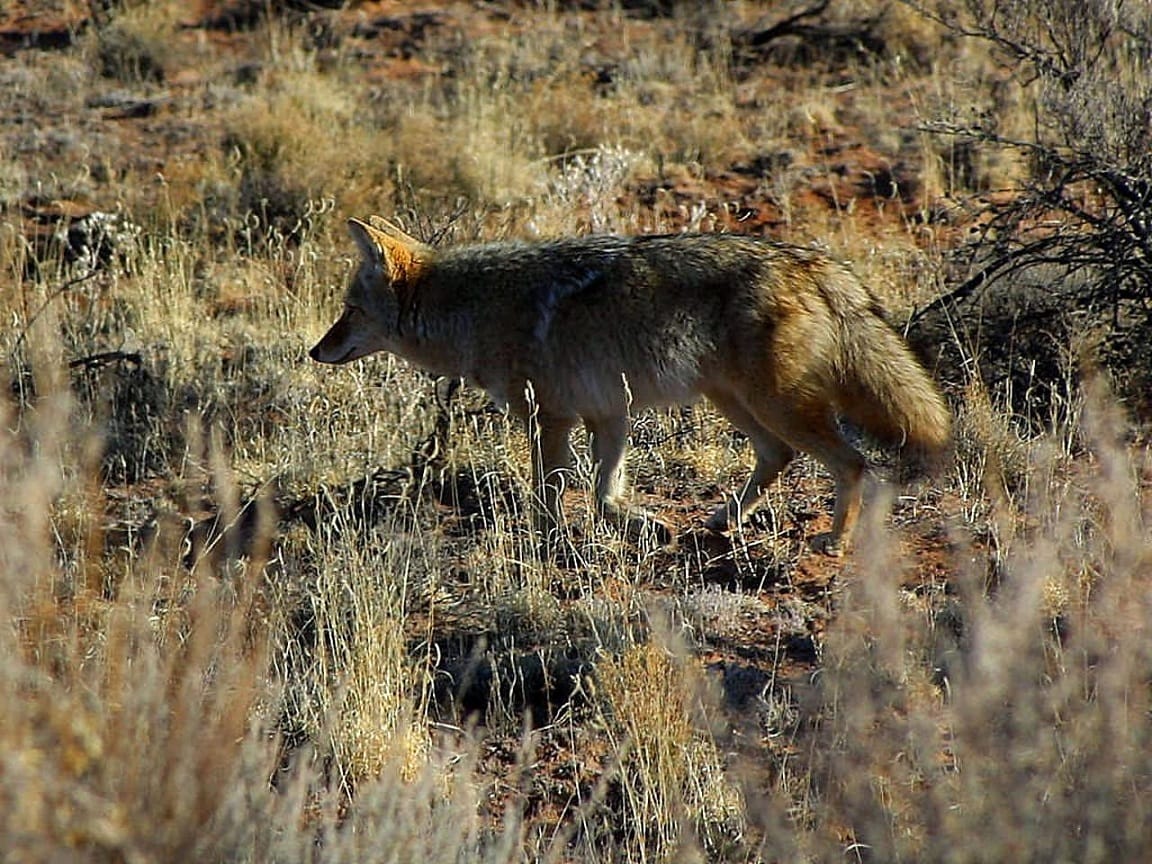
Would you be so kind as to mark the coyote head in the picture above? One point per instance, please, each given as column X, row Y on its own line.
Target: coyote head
column 379, row 295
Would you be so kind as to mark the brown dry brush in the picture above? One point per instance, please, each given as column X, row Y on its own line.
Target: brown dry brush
column 1012, row 720
column 1068, row 252
column 127, row 712
column 141, row 705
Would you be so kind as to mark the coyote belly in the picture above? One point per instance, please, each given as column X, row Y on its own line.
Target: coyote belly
column 779, row 338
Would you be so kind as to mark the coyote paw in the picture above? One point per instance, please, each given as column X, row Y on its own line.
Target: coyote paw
column 640, row 523
column 720, row 520
column 637, row 522
column 658, row 529
column 829, row 544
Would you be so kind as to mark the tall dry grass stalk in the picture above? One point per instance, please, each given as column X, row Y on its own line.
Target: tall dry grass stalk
column 130, row 694
column 673, row 791
column 351, row 683
column 143, row 717
column 1009, row 719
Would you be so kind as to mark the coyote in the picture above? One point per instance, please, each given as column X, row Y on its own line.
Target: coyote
column 779, row 338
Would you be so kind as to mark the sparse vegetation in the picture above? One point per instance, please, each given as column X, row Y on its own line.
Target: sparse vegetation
column 259, row 610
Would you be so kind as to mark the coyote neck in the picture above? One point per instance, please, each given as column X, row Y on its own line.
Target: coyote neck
column 441, row 343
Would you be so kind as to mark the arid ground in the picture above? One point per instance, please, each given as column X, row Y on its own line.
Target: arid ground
column 258, row 609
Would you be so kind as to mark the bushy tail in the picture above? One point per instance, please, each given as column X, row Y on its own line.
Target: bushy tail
column 888, row 392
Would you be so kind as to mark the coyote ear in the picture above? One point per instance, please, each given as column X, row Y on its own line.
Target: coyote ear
column 401, row 260
column 393, row 230
column 369, row 250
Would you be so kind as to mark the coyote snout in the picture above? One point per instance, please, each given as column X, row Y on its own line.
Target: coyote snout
column 330, row 349
column 779, row 338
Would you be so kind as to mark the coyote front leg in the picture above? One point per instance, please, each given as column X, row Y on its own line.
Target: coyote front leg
column 551, row 458
column 609, row 441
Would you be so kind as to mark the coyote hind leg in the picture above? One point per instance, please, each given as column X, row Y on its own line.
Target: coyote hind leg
column 812, row 428
column 772, row 455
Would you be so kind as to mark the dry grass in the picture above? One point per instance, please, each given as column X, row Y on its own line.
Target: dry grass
column 673, row 787
column 1016, row 712
column 252, row 614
